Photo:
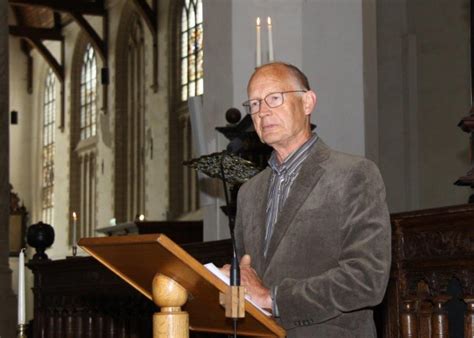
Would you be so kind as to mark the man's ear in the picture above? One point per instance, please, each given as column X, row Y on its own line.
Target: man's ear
column 309, row 102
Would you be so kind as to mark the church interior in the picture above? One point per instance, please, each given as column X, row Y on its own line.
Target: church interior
column 103, row 100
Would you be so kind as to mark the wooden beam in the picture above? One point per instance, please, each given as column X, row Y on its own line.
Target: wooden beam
column 36, row 33
column 57, row 68
column 57, row 20
column 97, row 42
column 83, row 7
column 147, row 13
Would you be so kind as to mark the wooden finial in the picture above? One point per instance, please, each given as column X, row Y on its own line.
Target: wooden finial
column 169, row 295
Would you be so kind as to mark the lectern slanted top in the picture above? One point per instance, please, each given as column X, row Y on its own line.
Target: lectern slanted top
column 136, row 259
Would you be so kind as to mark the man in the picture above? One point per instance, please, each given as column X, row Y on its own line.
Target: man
column 313, row 227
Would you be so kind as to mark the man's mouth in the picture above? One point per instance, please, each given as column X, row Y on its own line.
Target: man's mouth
column 268, row 126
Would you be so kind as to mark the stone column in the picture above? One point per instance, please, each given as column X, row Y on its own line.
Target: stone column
column 7, row 298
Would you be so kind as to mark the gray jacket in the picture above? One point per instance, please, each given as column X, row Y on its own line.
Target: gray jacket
column 329, row 254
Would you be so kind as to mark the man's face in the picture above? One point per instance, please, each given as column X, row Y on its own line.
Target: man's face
column 283, row 127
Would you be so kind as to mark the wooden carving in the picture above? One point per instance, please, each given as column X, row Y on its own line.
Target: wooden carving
column 438, row 244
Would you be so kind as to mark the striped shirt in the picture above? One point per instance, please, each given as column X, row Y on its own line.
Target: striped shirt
column 281, row 180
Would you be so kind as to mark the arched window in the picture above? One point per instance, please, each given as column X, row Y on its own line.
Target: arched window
column 47, row 158
column 83, row 166
column 191, row 49
column 89, row 94
column 130, row 126
column 184, row 192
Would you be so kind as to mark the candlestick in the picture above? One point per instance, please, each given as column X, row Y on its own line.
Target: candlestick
column 21, row 288
column 74, row 231
column 270, row 39
column 21, row 331
column 259, row 47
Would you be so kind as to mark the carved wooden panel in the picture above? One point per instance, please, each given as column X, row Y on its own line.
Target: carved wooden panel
column 430, row 248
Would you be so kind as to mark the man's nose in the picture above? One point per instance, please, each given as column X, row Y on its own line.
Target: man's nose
column 264, row 109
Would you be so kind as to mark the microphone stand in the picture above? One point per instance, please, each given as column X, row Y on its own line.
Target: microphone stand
column 235, row 289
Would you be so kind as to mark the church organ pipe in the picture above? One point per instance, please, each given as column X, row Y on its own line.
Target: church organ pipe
column 40, row 329
column 58, row 324
column 469, row 318
column 408, row 319
column 89, row 324
column 50, row 328
column 425, row 316
column 439, row 318
column 69, row 325
column 78, row 322
column 99, row 325
column 109, row 327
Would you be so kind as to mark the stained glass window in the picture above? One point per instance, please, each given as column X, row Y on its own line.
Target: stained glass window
column 88, row 114
column 48, row 135
column 191, row 49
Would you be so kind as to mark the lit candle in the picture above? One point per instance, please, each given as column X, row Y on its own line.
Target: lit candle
column 21, row 288
column 259, row 47
column 141, row 218
column 74, row 229
column 270, row 39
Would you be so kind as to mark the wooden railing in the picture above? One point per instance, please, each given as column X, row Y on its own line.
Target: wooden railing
column 78, row 297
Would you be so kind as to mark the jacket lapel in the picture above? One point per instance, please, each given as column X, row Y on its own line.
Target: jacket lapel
column 257, row 236
column 308, row 177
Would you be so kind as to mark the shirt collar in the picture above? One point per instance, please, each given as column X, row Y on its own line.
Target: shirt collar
column 290, row 163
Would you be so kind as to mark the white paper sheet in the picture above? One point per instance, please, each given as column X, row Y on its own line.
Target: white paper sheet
column 217, row 272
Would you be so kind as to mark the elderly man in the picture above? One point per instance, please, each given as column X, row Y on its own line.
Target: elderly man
column 313, row 227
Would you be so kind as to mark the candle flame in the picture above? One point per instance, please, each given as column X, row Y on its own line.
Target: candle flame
column 141, row 218
column 269, row 21
column 74, row 216
column 258, row 21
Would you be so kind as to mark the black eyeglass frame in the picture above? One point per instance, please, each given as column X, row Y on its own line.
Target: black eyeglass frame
column 246, row 104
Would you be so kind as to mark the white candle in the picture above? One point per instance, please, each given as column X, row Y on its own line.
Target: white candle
column 74, row 228
column 259, row 47
column 270, row 39
column 21, row 288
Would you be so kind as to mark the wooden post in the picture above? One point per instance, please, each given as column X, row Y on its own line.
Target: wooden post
column 408, row 319
column 171, row 322
column 439, row 318
column 469, row 318
column 233, row 301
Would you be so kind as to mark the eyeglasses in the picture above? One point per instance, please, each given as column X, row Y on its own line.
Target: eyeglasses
column 272, row 100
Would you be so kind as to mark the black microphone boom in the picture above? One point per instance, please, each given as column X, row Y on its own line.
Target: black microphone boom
column 234, row 266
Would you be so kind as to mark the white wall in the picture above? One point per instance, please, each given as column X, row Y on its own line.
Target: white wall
column 20, row 134
column 444, row 97
column 218, row 88
column 424, row 88
column 333, row 60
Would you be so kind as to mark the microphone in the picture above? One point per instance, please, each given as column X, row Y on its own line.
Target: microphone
column 234, row 266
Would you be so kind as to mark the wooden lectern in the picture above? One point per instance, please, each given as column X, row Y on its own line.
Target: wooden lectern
column 163, row 272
